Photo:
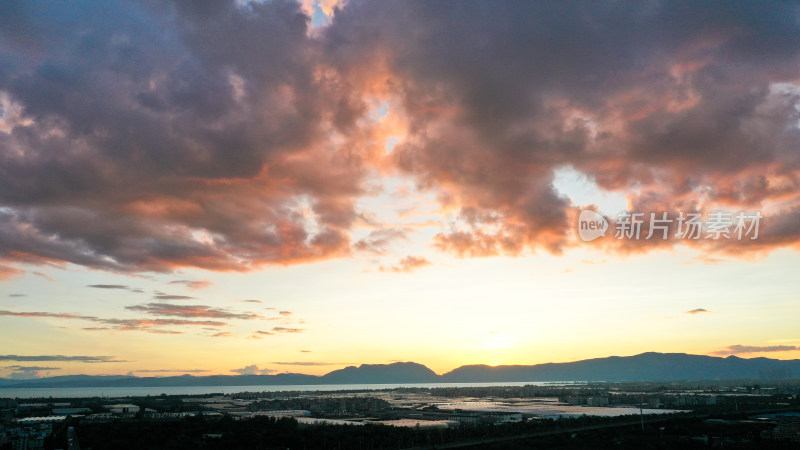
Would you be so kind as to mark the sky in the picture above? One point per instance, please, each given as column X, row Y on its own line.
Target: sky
column 259, row 187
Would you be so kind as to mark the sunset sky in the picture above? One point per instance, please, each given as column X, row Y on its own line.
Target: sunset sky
column 222, row 187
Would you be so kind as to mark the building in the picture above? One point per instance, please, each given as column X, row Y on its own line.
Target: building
column 123, row 408
column 71, row 411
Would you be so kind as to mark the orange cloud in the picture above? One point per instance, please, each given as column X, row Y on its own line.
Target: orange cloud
column 270, row 168
column 408, row 264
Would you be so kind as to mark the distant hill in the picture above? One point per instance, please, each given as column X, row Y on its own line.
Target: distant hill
column 644, row 367
column 401, row 372
column 67, row 380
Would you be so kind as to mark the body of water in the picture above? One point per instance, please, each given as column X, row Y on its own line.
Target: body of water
column 554, row 409
column 114, row 392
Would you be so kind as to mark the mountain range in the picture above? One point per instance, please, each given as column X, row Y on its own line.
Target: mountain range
column 649, row 366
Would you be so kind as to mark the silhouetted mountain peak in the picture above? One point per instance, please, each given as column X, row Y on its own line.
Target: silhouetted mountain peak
column 649, row 366
column 398, row 372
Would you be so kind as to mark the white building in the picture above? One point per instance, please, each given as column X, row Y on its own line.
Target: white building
column 123, row 408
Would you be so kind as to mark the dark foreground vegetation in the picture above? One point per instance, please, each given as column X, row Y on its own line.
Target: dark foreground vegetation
column 285, row 433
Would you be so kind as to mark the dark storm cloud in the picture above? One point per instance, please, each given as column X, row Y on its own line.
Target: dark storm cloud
column 149, row 136
column 162, row 135
column 673, row 99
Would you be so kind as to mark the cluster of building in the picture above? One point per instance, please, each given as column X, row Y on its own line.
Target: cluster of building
column 348, row 410
column 669, row 400
column 483, row 417
column 27, row 426
column 29, row 434
column 787, row 427
column 588, row 400
column 327, row 405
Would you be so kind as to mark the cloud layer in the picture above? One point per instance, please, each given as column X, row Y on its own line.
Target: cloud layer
column 252, row 370
column 148, row 325
column 84, row 359
column 190, row 311
column 150, row 136
column 745, row 349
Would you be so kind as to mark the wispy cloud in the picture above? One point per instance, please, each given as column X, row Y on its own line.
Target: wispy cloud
column 407, row 264
column 45, row 276
column 287, row 330
column 698, row 311
column 379, row 240
column 222, row 334
column 159, row 331
column 252, row 370
column 7, row 271
column 173, row 297
column 29, row 372
column 193, row 284
column 64, row 358
column 46, row 314
column 168, row 309
column 121, row 287
column 149, row 325
column 307, row 363
column 29, row 368
column 275, row 330
column 744, row 349
column 132, row 324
